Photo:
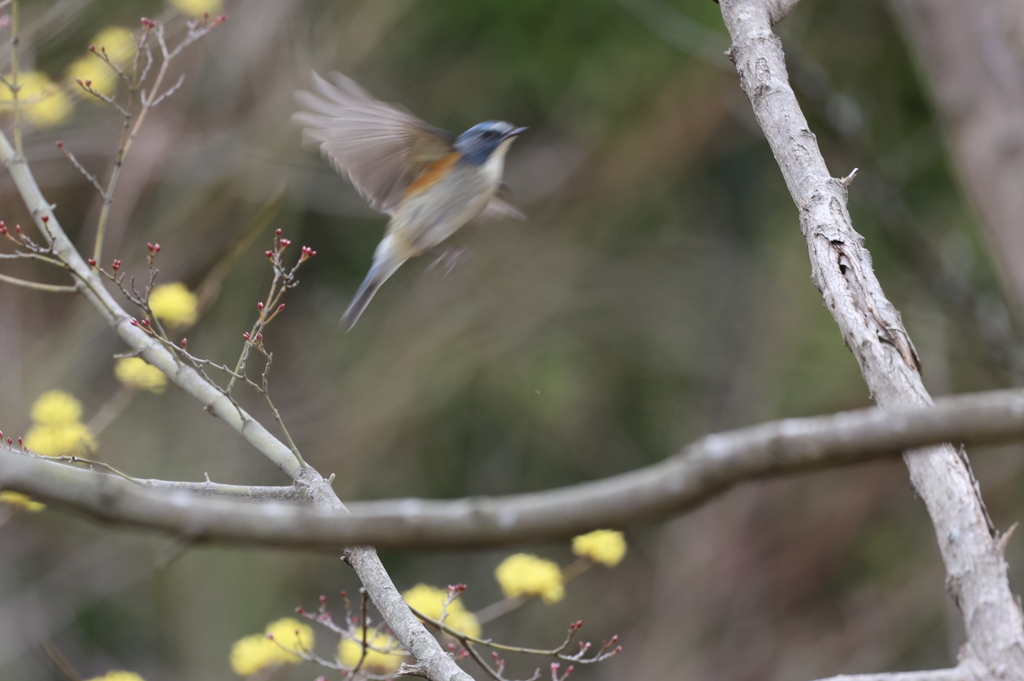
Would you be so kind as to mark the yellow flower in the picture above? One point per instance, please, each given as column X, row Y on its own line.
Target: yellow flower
column 607, row 547
column 291, row 635
column 253, row 653
column 351, row 652
column 134, row 372
column 43, row 103
column 57, row 430
column 56, row 408
column 21, row 501
column 62, row 439
column 197, row 8
column 118, row 676
column 258, row 651
column 120, row 47
column 523, row 574
column 174, row 305
column 429, row 601
column 119, row 44
column 94, row 73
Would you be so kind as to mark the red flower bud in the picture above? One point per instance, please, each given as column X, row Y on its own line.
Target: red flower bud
column 156, row 248
column 60, row 145
column 277, row 232
column 116, row 265
column 259, row 306
column 259, row 337
column 269, row 254
column 299, row 610
column 285, row 243
column 88, row 83
column 184, row 343
column 92, row 48
column 145, row 322
column 245, row 335
column 46, row 218
column 92, row 263
column 134, row 322
column 280, row 307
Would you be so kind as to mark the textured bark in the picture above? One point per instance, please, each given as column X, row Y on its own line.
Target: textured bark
column 872, row 329
column 205, row 512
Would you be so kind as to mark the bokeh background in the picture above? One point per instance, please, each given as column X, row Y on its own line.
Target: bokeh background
column 659, row 291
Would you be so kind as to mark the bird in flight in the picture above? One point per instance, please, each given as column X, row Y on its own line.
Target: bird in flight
column 428, row 181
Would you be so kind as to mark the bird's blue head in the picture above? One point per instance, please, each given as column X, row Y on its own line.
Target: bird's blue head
column 478, row 143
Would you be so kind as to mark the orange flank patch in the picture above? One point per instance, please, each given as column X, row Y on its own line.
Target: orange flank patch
column 433, row 172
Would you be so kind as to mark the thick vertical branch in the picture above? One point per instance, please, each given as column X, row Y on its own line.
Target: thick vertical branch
column 872, row 329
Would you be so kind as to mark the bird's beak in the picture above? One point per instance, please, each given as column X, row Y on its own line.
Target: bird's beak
column 515, row 133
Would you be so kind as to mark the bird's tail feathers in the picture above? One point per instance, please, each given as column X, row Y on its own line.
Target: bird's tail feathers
column 378, row 274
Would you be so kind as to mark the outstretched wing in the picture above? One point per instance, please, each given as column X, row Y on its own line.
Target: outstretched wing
column 378, row 147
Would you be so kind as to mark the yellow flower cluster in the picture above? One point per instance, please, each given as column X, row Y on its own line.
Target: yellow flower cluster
column 118, row 676
column 119, row 45
column 523, row 574
column 21, row 501
column 43, row 103
column 135, row 373
column 429, row 601
column 174, row 305
column 276, row 646
column 197, row 8
column 607, row 547
column 376, row 661
column 57, row 430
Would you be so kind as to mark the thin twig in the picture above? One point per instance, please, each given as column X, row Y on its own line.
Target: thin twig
column 38, row 286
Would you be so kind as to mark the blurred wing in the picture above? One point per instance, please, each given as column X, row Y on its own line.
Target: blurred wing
column 377, row 147
column 500, row 206
column 499, row 209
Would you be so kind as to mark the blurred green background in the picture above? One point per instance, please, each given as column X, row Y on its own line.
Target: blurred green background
column 659, row 291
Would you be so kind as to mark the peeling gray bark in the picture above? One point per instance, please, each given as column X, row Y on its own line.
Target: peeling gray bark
column 873, row 331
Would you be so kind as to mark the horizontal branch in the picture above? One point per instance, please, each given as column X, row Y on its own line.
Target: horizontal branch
column 968, row 670
column 702, row 470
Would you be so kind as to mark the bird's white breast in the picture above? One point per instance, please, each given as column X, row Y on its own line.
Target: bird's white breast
column 494, row 168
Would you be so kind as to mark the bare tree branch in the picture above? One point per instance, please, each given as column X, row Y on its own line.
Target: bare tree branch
column 433, row 662
column 872, row 329
column 968, row 670
column 703, row 470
